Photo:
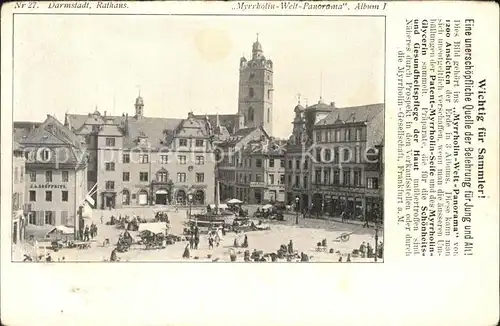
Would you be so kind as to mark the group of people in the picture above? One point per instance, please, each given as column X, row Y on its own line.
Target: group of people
column 236, row 243
column 366, row 250
column 194, row 238
column 88, row 232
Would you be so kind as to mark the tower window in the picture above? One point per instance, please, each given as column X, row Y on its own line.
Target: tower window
column 250, row 114
column 268, row 114
column 250, row 92
column 268, row 94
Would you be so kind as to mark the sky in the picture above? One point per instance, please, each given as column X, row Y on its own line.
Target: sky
column 190, row 63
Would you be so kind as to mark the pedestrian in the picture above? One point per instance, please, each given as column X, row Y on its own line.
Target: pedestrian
column 95, row 230
column 80, row 233
column 348, row 258
column 113, row 255
column 362, row 249
column 210, row 243
column 369, row 251
column 365, row 225
column 342, row 216
column 191, row 242
column 196, row 241
column 340, row 259
column 186, row 252
column 101, row 219
column 86, row 233
column 380, row 250
column 290, row 247
column 245, row 242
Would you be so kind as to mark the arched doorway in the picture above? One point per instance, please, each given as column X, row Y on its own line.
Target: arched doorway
column 199, row 197
column 161, row 197
column 181, row 197
column 143, row 197
column 125, row 197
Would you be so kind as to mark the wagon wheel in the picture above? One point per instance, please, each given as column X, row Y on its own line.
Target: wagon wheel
column 344, row 237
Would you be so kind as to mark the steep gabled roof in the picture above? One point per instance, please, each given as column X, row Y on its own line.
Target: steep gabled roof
column 362, row 113
column 156, row 130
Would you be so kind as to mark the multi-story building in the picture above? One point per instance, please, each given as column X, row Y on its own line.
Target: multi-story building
column 341, row 150
column 143, row 160
column 18, row 190
column 298, row 155
column 251, row 167
column 56, row 172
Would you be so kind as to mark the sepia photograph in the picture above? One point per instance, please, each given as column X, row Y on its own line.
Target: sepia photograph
column 192, row 138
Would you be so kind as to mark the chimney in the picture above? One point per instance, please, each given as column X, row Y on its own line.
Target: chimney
column 332, row 105
column 105, row 114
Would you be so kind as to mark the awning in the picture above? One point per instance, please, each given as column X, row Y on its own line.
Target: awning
column 63, row 229
column 153, row 227
column 234, row 201
column 162, row 192
column 221, row 206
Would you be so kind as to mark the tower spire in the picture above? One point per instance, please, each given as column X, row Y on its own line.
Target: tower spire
column 298, row 98
column 257, row 37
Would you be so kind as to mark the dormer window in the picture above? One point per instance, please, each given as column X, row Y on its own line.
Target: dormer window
column 183, row 142
column 45, row 154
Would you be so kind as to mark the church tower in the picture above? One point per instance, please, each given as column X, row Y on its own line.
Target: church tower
column 139, row 107
column 255, row 99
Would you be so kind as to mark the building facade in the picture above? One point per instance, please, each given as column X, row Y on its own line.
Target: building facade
column 55, row 174
column 251, row 167
column 298, row 157
column 142, row 160
column 334, row 160
column 18, row 193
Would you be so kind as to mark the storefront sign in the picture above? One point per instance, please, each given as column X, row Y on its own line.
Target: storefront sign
column 48, row 186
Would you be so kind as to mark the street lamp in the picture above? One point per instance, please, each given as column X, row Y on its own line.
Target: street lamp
column 298, row 208
column 190, row 200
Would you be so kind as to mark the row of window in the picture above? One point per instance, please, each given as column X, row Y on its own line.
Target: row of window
column 371, row 183
column 328, row 155
column 144, row 158
column 49, row 176
column 49, row 218
column 48, row 196
column 258, row 162
column 297, row 164
column 160, row 177
column 338, row 135
column 111, row 142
